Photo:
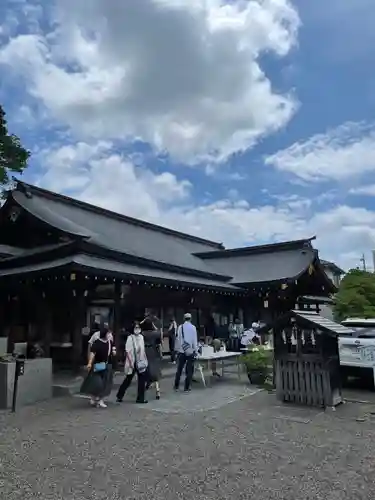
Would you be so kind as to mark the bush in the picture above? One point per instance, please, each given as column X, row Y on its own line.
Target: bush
column 258, row 359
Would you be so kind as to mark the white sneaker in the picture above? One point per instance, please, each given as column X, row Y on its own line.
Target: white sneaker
column 102, row 404
column 93, row 402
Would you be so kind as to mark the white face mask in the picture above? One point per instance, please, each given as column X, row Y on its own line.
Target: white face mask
column 137, row 331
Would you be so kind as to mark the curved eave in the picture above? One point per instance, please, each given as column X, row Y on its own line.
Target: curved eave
column 39, row 254
column 47, row 253
column 41, row 212
column 93, row 240
column 329, row 287
column 98, row 267
column 287, row 280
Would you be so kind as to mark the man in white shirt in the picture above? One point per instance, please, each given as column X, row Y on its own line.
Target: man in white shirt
column 187, row 348
column 250, row 336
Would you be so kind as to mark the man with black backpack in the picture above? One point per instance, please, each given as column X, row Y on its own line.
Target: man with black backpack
column 187, row 349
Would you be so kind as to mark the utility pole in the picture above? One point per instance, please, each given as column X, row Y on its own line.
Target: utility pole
column 363, row 260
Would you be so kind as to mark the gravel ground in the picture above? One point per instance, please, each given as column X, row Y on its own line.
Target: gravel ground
column 251, row 448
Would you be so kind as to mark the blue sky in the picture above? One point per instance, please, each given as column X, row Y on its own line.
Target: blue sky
column 241, row 121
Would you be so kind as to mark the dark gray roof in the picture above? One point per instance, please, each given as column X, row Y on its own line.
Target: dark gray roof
column 261, row 267
column 96, row 263
column 29, row 252
column 324, row 323
column 116, row 232
column 155, row 244
column 10, row 251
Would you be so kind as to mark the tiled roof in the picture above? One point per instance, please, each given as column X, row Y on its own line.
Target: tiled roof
column 170, row 249
column 116, row 232
column 324, row 323
column 96, row 264
column 263, row 267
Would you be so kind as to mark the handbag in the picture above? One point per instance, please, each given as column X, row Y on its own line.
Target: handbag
column 100, row 367
column 186, row 347
column 140, row 364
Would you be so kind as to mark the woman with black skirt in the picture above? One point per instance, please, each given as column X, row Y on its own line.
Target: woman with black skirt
column 98, row 383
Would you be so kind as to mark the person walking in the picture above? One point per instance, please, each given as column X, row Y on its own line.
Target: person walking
column 98, row 383
column 154, row 358
column 135, row 363
column 172, row 332
column 187, row 348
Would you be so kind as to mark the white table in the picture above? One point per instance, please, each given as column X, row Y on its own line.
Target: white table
column 217, row 356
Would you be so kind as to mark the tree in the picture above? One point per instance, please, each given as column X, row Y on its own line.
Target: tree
column 13, row 157
column 356, row 296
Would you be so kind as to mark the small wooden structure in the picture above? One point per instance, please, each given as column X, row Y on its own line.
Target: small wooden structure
column 307, row 366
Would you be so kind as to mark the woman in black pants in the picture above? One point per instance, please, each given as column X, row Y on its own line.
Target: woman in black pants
column 153, row 353
column 135, row 363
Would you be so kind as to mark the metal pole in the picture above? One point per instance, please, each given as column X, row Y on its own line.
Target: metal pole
column 363, row 260
column 15, row 389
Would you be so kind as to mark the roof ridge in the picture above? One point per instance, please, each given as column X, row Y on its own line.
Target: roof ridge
column 265, row 248
column 30, row 189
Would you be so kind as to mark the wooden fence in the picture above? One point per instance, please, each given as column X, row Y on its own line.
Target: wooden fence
column 302, row 381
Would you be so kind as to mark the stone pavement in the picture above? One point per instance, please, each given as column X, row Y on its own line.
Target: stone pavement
column 252, row 447
column 198, row 400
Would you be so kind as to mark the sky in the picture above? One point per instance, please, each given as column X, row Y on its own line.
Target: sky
column 241, row 121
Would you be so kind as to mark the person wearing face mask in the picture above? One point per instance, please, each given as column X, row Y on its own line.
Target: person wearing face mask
column 135, row 363
column 98, row 383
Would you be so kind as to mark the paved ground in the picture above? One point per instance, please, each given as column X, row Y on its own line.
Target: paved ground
column 250, row 448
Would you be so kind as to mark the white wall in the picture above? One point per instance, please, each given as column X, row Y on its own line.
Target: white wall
column 326, row 311
column 334, row 277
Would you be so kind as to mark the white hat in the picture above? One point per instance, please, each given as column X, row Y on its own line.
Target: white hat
column 187, row 316
column 255, row 325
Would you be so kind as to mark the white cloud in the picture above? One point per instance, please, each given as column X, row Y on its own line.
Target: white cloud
column 345, row 152
column 94, row 173
column 182, row 75
column 368, row 190
column 344, row 233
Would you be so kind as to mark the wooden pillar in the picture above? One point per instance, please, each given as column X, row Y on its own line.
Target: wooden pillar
column 78, row 302
column 48, row 327
column 3, row 333
column 2, row 319
column 117, row 315
column 43, row 317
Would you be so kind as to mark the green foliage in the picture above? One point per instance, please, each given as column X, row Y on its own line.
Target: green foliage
column 356, row 296
column 13, row 157
column 258, row 359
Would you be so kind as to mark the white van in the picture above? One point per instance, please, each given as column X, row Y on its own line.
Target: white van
column 357, row 351
column 359, row 323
